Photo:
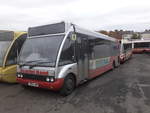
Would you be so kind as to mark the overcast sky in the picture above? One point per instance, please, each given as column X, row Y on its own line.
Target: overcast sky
column 91, row 14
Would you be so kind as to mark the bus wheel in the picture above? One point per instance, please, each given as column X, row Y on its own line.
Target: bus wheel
column 69, row 85
column 130, row 56
column 118, row 62
column 113, row 65
column 25, row 86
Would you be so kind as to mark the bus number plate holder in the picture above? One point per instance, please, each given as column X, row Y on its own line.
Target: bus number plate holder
column 33, row 84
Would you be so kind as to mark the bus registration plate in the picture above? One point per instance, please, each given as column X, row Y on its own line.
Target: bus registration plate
column 33, row 84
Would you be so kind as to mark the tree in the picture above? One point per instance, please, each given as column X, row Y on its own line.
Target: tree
column 136, row 36
column 104, row 32
column 139, row 36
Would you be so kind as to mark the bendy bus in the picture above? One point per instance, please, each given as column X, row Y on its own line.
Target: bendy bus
column 60, row 56
column 10, row 46
column 125, row 50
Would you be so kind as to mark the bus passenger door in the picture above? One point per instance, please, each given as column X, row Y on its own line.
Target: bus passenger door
column 82, row 57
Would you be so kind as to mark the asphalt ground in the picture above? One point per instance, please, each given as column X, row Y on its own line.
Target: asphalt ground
column 125, row 89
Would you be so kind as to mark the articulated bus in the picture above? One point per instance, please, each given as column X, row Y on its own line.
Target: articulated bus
column 125, row 50
column 60, row 56
column 141, row 46
column 10, row 46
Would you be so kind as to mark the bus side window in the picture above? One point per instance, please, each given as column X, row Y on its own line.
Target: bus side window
column 67, row 55
column 101, row 49
column 114, row 48
column 15, row 50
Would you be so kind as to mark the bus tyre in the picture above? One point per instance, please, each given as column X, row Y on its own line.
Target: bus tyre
column 68, row 86
column 131, row 56
column 113, row 65
column 25, row 86
column 118, row 62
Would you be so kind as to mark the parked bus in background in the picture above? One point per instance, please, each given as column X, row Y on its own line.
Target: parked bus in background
column 125, row 50
column 60, row 56
column 10, row 46
column 141, row 46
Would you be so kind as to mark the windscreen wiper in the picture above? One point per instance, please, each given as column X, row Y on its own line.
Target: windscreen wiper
column 38, row 63
column 29, row 62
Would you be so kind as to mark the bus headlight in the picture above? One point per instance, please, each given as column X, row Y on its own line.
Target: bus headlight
column 19, row 75
column 52, row 79
column 49, row 79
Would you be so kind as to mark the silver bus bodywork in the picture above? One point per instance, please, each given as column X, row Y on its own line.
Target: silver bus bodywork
column 80, row 68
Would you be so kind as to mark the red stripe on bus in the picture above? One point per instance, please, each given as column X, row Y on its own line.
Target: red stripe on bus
column 98, row 71
column 47, row 85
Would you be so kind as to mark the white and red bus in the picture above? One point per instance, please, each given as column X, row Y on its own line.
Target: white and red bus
column 141, row 46
column 125, row 50
column 60, row 56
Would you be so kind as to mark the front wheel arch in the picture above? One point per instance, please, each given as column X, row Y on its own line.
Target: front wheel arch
column 69, row 85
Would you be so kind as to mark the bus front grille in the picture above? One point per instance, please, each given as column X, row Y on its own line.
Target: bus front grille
column 34, row 77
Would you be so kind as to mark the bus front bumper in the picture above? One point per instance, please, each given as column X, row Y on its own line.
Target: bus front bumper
column 122, row 58
column 56, row 85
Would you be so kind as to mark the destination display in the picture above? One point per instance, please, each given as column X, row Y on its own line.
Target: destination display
column 47, row 29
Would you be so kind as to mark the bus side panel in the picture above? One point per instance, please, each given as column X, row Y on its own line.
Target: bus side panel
column 141, row 50
column 100, row 66
column 138, row 50
column 103, row 53
column 9, row 74
column 147, row 50
column 141, row 47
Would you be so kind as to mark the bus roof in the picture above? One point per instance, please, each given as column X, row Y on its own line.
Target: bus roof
column 63, row 27
column 93, row 33
column 10, row 35
column 17, row 34
column 140, row 41
column 6, row 36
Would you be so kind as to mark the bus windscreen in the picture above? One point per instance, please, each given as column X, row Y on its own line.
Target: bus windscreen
column 41, row 49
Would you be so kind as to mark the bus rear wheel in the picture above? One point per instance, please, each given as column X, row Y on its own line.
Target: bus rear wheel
column 68, row 86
